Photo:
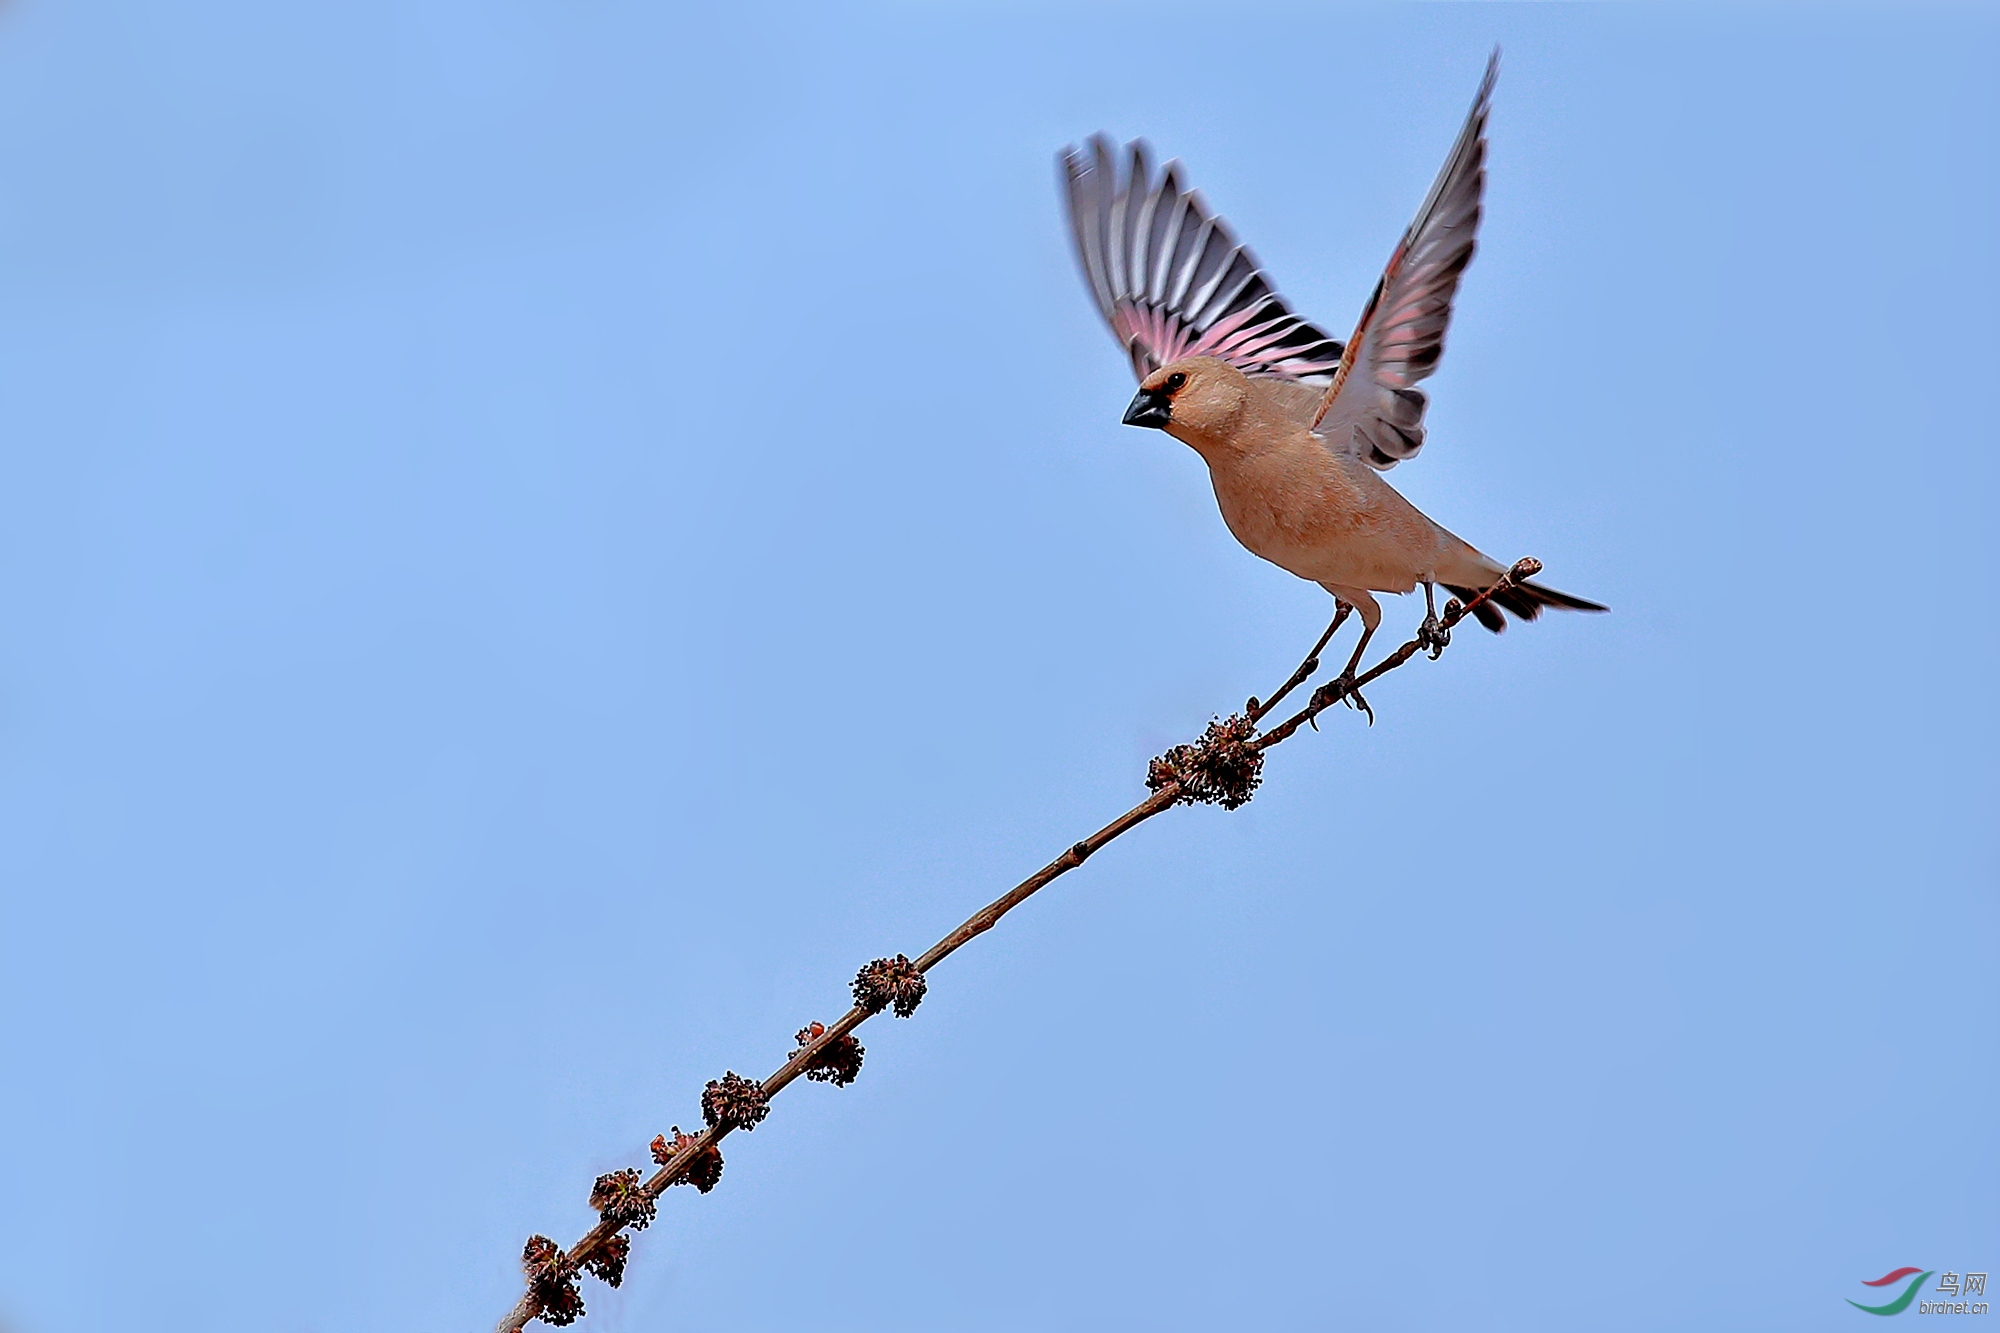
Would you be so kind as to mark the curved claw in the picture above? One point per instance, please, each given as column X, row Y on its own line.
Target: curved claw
column 1350, row 694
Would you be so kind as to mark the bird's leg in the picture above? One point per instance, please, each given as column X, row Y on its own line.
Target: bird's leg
column 1432, row 635
column 1256, row 710
column 1343, row 686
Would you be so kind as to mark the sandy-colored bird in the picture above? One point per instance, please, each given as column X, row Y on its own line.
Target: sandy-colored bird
column 1296, row 428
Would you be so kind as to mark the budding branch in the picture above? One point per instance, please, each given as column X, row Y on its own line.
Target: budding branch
column 1224, row 767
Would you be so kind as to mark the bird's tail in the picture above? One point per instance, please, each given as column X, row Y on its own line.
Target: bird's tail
column 1524, row 599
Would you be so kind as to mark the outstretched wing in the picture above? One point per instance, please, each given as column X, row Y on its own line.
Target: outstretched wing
column 1373, row 408
column 1170, row 277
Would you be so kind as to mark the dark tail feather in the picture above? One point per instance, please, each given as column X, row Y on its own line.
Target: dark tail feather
column 1524, row 599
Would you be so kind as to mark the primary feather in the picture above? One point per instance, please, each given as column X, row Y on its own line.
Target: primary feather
column 1170, row 277
column 1373, row 408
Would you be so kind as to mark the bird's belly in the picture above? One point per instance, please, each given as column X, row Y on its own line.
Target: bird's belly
column 1325, row 545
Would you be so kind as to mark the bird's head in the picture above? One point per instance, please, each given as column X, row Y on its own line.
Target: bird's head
column 1196, row 399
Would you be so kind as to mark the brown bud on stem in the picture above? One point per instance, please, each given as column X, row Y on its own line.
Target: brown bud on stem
column 619, row 1200
column 838, row 1062
column 702, row 1173
column 888, row 982
column 607, row 1261
column 734, row 1101
column 1222, row 768
column 551, row 1282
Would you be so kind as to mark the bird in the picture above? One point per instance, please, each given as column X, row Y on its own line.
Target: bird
column 1296, row 427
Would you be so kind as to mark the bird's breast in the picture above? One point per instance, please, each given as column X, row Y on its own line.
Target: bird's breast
column 1298, row 510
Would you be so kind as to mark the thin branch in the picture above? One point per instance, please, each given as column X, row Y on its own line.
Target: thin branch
column 1224, row 767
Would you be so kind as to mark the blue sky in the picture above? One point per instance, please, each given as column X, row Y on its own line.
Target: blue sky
column 536, row 538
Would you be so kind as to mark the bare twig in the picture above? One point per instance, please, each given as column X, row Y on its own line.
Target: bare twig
column 1223, row 767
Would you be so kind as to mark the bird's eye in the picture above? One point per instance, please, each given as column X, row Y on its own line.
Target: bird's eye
column 1174, row 382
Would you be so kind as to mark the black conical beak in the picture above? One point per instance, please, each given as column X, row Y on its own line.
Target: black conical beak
column 1149, row 409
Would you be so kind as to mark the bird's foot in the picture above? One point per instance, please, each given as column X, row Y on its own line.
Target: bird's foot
column 1343, row 688
column 1433, row 637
